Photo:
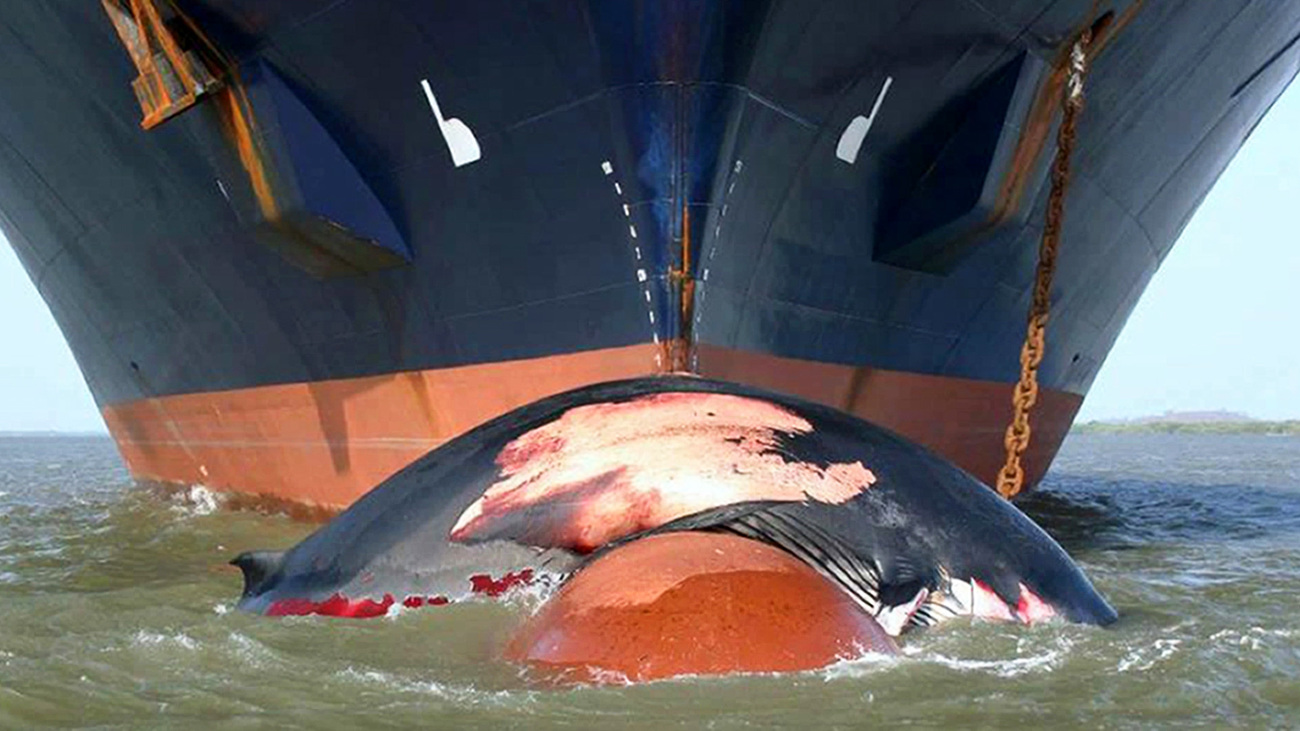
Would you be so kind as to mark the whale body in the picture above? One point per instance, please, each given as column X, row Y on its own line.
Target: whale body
column 550, row 487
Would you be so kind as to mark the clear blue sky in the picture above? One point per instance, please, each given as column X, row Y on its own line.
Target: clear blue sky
column 1218, row 328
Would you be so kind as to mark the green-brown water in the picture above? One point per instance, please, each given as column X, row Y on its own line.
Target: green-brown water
column 115, row 612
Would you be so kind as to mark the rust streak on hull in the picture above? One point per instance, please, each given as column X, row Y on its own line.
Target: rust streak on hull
column 1038, row 124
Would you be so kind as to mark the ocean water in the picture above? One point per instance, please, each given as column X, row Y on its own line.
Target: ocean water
column 115, row 612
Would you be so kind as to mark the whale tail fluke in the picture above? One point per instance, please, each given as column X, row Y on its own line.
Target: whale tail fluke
column 257, row 566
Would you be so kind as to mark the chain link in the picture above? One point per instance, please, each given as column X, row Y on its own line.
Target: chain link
column 1011, row 479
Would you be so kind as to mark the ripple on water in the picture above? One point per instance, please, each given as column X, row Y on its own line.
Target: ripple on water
column 124, row 596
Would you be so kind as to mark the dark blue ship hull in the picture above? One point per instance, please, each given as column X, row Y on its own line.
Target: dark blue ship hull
column 394, row 220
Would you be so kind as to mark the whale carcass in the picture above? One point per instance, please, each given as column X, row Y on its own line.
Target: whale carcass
column 559, row 486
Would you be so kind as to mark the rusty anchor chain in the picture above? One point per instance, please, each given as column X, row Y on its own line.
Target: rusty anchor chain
column 1011, row 478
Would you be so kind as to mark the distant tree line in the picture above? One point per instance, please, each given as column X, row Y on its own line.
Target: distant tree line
column 1290, row 427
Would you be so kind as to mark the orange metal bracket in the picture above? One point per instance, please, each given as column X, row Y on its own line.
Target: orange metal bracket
column 171, row 79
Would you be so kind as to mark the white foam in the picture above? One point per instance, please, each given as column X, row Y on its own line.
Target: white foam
column 154, row 639
column 250, row 651
column 1003, row 668
column 1253, row 638
column 856, row 667
column 458, row 694
column 1261, row 632
column 198, row 500
column 1145, row 658
column 1030, row 656
column 602, row 676
column 534, row 594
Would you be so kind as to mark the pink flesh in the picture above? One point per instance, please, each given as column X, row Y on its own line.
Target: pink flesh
column 609, row 470
column 1031, row 608
column 987, row 604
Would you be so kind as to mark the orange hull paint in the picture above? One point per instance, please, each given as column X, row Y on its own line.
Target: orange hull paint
column 325, row 444
column 963, row 419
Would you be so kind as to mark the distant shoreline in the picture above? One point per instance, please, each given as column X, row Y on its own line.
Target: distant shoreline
column 53, row 433
column 1290, row 427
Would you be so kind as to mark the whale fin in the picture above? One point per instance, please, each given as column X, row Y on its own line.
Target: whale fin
column 257, row 566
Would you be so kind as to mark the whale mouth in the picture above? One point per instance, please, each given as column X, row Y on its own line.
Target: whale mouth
column 911, row 595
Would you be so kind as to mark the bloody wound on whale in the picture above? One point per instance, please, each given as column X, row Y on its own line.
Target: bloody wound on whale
column 696, row 526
